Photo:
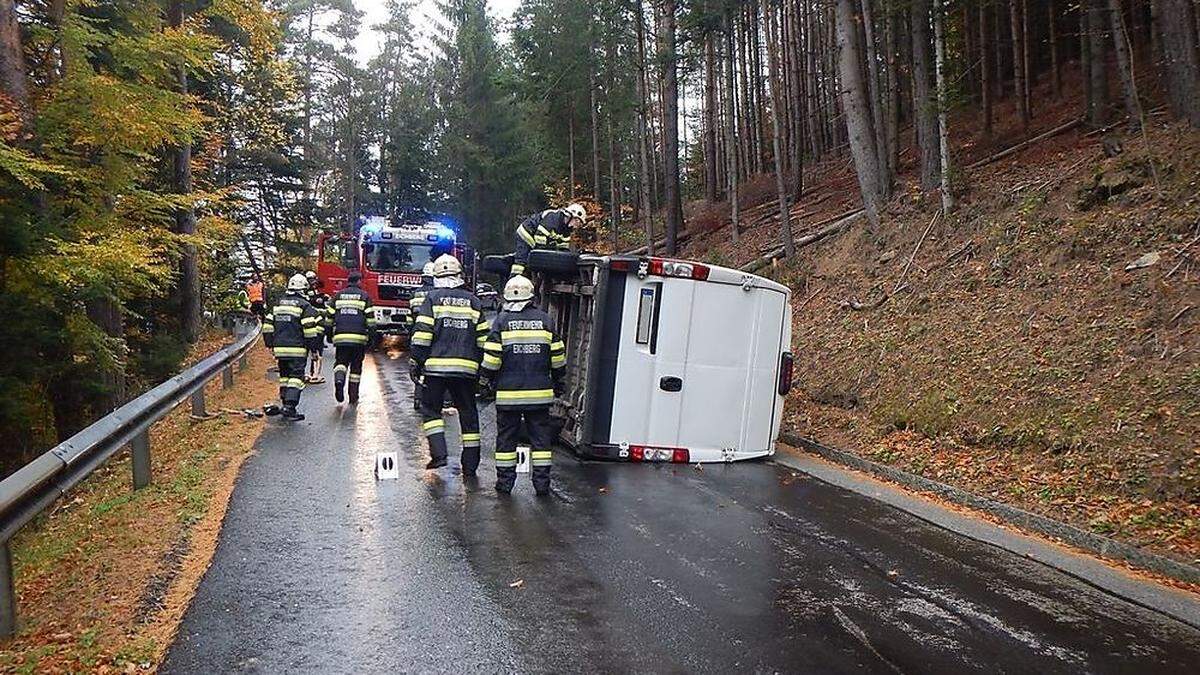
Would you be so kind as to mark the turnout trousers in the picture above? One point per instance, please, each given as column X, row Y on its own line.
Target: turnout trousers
column 291, row 379
column 348, row 360
column 462, row 393
column 539, row 429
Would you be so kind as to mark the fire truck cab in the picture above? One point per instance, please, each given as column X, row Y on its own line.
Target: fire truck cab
column 390, row 258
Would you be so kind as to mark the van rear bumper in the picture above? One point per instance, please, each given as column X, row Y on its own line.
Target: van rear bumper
column 695, row 455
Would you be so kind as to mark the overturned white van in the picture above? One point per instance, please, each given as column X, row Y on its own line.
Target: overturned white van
column 670, row 360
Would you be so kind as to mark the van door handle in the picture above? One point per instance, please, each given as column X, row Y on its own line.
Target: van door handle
column 670, row 383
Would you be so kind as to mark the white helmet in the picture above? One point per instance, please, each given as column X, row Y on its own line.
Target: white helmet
column 310, row 275
column 298, row 282
column 576, row 210
column 518, row 289
column 446, row 266
column 427, row 270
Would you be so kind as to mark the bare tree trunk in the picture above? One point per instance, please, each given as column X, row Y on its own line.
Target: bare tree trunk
column 773, row 79
column 1018, row 46
column 858, row 112
column 939, row 46
column 985, row 70
column 185, row 218
column 644, row 178
column 674, row 205
column 924, row 102
column 731, row 128
column 595, row 131
column 710, row 117
column 13, row 75
column 1097, row 75
column 892, row 122
column 873, row 89
column 1182, row 58
column 1055, row 68
column 571, row 153
column 1124, row 64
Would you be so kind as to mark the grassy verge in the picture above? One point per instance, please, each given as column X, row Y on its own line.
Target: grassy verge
column 103, row 578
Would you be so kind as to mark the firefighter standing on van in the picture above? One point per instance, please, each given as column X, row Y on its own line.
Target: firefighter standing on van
column 446, row 348
column 549, row 229
column 289, row 329
column 352, row 324
column 524, row 361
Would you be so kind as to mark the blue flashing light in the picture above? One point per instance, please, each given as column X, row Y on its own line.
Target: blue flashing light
column 445, row 233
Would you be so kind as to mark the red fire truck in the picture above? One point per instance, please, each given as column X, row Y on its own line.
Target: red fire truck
column 390, row 257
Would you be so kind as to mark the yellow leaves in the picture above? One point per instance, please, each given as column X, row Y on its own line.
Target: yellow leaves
column 26, row 168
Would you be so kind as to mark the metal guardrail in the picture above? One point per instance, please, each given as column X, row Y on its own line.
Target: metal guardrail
column 38, row 484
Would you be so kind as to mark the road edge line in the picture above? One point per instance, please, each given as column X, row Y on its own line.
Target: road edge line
column 890, row 486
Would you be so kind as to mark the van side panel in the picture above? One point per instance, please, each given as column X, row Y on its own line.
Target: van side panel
column 764, row 405
column 719, row 376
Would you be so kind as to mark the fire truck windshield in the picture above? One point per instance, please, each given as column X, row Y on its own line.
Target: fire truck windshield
column 390, row 256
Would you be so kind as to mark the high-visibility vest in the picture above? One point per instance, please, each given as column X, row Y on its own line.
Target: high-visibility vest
column 254, row 289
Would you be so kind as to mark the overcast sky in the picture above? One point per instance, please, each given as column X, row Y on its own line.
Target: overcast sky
column 374, row 11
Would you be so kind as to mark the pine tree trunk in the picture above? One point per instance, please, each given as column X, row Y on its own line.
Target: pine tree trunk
column 873, row 90
column 773, row 78
column 939, row 46
column 595, row 133
column 644, row 177
column 1055, row 68
column 1124, row 64
column 571, row 153
column 1097, row 72
column 985, row 65
column 1018, row 46
column 710, row 117
column 670, row 103
column 185, row 218
column 857, row 109
column 892, row 122
column 731, row 128
column 924, row 102
column 13, row 74
column 1181, row 58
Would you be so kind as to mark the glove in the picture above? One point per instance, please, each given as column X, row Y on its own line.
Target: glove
column 560, row 387
column 414, row 372
column 485, row 389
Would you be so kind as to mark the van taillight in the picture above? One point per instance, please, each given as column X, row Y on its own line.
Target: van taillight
column 646, row 453
column 786, row 365
column 673, row 268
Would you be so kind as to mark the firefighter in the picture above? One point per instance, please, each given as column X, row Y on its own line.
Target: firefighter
column 550, row 229
column 257, row 295
column 316, row 346
column 523, row 361
column 414, row 304
column 353, row 321
column 446, row 348
column 289, row 329
column 418, row 295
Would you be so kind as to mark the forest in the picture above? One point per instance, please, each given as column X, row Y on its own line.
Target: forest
column 155, row 151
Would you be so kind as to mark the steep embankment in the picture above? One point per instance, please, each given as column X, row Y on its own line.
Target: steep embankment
column 1017, row 348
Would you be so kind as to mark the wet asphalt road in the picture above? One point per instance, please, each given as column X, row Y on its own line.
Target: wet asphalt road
column 739, row 568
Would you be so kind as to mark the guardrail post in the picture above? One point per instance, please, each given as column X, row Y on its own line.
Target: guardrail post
column 8, row 599
column 140, row 451
column 242, row 363
column 227, row 377
column 198, row 403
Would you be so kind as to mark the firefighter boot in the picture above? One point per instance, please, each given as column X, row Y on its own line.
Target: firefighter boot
column 354, row 379
column 541, row 472
column 339, row 382
column 506, row 477
column 290, row 413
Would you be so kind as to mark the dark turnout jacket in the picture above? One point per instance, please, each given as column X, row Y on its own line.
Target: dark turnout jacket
column 291, row 327
column 448, row 333
column 352, row 316
column 549, row 229
column 525, row 356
